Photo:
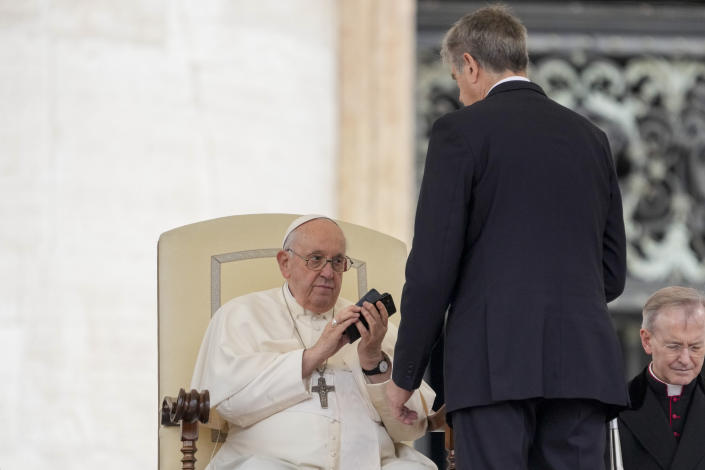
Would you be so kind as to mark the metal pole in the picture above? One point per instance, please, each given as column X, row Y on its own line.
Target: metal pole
column 615, row 447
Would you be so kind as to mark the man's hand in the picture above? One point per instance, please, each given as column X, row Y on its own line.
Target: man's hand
column 369, row 349
column 396, row 397
column 331, row 340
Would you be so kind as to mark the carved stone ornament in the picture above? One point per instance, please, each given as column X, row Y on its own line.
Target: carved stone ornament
column 650, row 101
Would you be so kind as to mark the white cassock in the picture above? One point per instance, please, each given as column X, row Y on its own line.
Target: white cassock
column 251, row 362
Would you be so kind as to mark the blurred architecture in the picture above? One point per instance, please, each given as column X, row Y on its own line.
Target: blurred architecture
column 122, row 119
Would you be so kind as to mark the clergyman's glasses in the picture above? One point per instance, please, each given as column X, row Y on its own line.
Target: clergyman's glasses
column 314, row 262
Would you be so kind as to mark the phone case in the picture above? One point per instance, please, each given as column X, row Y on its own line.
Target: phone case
column 371, row 296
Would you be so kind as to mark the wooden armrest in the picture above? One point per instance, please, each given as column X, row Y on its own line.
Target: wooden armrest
column 437, row 422
column 187, row 410
column 437, row 419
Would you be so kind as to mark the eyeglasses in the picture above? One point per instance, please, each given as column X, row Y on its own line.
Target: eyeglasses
column 340, row 264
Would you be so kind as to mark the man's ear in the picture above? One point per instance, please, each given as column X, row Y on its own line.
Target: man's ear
column 471, row 67
column 283, row 259
column 645, row 340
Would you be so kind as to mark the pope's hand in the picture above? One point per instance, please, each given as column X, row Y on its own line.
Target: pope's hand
column 369, row 349
column 331, row 340
column 396, row 397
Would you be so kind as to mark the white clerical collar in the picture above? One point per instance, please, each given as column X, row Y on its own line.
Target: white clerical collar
column 672, row 390
column 509, row 79
column 298, row 310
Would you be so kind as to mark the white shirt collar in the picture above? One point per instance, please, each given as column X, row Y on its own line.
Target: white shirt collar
column 509, row 79
column 672, row 390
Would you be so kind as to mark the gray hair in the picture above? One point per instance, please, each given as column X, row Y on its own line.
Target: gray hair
column 492, row 36
column 673, row 296
column 290, row 239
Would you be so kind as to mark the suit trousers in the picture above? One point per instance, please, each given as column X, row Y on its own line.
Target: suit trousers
column 534, row 434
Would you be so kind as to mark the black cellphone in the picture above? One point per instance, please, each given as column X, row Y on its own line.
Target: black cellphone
column 372, row 296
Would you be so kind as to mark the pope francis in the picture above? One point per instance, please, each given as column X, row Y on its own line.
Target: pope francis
column 295, row 392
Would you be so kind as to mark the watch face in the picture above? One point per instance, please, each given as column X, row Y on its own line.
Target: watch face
column 383, row 366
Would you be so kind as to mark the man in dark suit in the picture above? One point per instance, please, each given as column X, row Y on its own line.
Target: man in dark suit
column 665, row 427
column 519, row 237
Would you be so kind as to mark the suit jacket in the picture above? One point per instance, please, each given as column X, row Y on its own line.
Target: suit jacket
column 646, row 437
column 519, row 235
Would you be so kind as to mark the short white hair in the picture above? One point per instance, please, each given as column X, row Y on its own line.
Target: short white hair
column 672, row 296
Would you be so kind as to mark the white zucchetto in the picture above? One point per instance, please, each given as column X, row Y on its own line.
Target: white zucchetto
column 299, row 221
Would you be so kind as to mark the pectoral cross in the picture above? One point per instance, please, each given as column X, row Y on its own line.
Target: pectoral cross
column 322, row 389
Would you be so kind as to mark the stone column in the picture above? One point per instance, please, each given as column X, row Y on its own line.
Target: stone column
column 376, row 76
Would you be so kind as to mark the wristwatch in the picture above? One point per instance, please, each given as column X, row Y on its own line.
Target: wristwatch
column 381, row 368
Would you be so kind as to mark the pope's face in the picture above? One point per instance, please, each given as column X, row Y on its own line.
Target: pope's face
column 316, row 291
column 676, row 344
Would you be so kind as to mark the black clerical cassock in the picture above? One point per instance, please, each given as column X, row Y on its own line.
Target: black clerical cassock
column 665, row 428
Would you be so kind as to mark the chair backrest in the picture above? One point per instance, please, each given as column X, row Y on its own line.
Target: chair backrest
column 203, row 265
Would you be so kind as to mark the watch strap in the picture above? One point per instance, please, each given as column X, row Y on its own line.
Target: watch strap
column 377, row 369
